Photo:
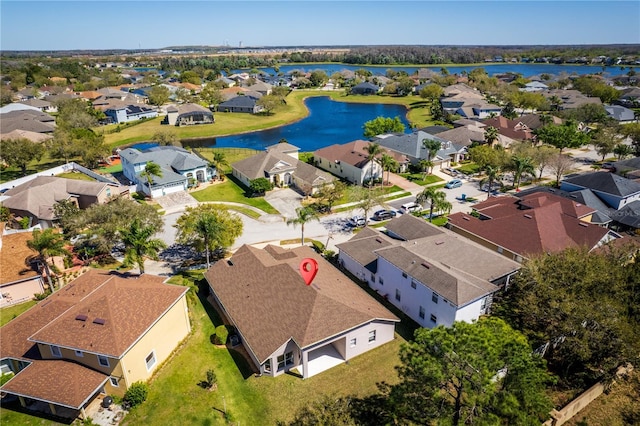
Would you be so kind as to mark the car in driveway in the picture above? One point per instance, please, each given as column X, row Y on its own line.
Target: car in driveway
column 357, row 221
column 455, row 183
column 383, row 215
column 410, row 208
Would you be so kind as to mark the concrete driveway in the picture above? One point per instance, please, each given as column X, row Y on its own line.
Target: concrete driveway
column 285, row 200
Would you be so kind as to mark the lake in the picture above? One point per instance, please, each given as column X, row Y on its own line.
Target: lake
column 329, row 122
column 527, row 70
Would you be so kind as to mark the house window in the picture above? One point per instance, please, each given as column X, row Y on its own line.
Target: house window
column 103, row 361
column 483, row 304
column 398, row 295
column 404, row 275
column 434, row 298
column 433, row 318
column 150, row 360
column 285, row 360
column 267, row 366
column 373, row 278
column 108, row 192
column 55, row 351
column 500, row 249
column 352, row 342
column 421, row 313
column 114, row 381
column 413, row 284
column 79, row 354
column 372, row 336
column 380, row 280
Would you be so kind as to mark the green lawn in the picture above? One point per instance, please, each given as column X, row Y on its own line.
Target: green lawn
column 232, row 155
column 420, row 178
column 231, row 191
column 11, row 173
column 76, row 176
column 10, row 312
column 469, row 168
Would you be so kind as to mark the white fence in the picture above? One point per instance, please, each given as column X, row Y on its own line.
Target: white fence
column 53, row 172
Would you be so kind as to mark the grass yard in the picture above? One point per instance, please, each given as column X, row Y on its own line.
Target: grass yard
column 10, row 312
column 231, row 191
column 232, row 155
column 421, row 179
column 11, row 173
column 76, row 176
column 469, row 168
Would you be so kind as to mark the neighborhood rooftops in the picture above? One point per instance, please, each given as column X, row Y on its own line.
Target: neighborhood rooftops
column 265, row 296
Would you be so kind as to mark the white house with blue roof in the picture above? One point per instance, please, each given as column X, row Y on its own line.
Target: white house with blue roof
column 180, row 169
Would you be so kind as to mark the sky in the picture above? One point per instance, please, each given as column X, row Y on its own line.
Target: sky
column 155, row 24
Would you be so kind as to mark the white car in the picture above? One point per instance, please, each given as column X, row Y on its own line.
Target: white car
column 357, row 221
column 410, row 208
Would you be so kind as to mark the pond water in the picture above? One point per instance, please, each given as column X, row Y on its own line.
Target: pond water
column 329, row 122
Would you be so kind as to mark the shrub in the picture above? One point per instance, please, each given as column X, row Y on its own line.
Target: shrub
column 211, row 378
column 221, row 335
column 5, row 378
column 136, row 394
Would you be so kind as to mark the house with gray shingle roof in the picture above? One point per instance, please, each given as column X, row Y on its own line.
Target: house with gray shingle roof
column 127, row 113
column 285, row 323
column 31, row 120
column 410, row 144
column 621, row 114
column 241, row 103
column 365, row 88
column 433, row 275
column 188, row 114
column 279, row 164
column 616, row 191
column 180, row 169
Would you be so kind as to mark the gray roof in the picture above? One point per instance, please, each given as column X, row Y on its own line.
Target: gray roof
column 169, row 158
column 242, row 101
column 628, row 215
column 620, row 113
column 408, row 227
column 30, row 120
column 463, row 136
column 606, row 182
column 628, row 165
column 410, row 144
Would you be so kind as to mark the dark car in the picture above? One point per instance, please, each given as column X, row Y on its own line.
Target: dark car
column 384, row 214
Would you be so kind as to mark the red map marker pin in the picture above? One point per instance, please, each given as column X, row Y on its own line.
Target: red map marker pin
column 308, row 269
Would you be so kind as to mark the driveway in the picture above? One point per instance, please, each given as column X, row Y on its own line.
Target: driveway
column 285, row 200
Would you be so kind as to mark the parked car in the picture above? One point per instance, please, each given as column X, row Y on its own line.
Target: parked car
column 608, row 166
column 384, row 214
column 455, row 183
column 410, row 208
column 357, row 221
column 495, row 186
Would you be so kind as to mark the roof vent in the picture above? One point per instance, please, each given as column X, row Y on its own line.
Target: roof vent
column 378, row 240
column 426, row 265
column 583, row 224
column 81, row 317
column 439, row 242
column 528, row 216
column 100, row 321
column 229, row 262
column 465, row 218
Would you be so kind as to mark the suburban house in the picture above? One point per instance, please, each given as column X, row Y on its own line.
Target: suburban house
column 279, row 164
column 467, row 102
column 616, row 191
column 433, row 275
column 464, row 136
column 36, row 198
column 621, row 114
column 629, row 168
column 241, row 103
column 42, row 105
column 127, row 113
column 31, row 119
column 569, row 98
column 90, row 338
column 26, row 134
column 350, row 161
column 538, row 223
column 188, row 114
column 286, row 323
column 261, row 87
column 512, row 129
column 20, row 278
column 365, row 88
column 180, row 169
column 410, row 145
column 534, row 86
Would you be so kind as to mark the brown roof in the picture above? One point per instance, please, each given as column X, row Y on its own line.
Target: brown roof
column 26, row 134
column 510, row 128
column 267, row 299
column 537, row 223
column 354, row 153
column 14, row 258
column 274, row 161
column 117, row 301
column 57, row 381
column 463, row 136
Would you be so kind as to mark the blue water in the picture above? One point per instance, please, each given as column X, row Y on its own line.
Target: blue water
column 527, row 70
column 328, row 123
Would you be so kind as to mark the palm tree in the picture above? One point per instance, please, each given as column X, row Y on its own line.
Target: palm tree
column 47, row 243
column 151, row 169
column 425, row 166
column 139, row 245
column 303, row 215
column 432, row 146
column 373, row 150
column 388, row 163
column 436, row 199
column 490, row 135
column 492, row 173
column 520, row 166
column 219, row 160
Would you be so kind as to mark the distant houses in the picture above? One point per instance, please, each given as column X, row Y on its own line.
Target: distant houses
column 188, row 115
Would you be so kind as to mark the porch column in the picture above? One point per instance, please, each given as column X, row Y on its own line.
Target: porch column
column 52, row 408
column 83, row 414
column 23, row 404
column 305, row 364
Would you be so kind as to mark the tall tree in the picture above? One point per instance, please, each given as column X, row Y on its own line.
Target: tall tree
column 491, row 174
column 562, row 136
column 166, row 137
column 541, row 156
column 330, row 193
column 491, row 135
column 382, row 125
column 388, row 163
column 632, row 131
column 426, row 167
column 139, row 244
column 218, row 162
column 151, row 169
column 47, row 243
column 20, row 152
column 560, row 164
column 469, row 374
column 303, row 216
column 269, row 103
column 432, row 146
column 521, row 166
column 208, row 228
column 622, row 151
column 366, row 200
column 159, row 95
column 373, row 151
column 605, row 140
column 437, row 201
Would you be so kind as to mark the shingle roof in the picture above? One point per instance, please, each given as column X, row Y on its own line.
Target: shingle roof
column 26, row 134
column 15, row 256
column 608, row 183
column 39, row 195
column 239, row 102
column 169, row 158
column 30, row 120
column 409, row 227
column 628, row 215
column 463, row 136
column 267, row 299
column 535, row 224
column 353, row 153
